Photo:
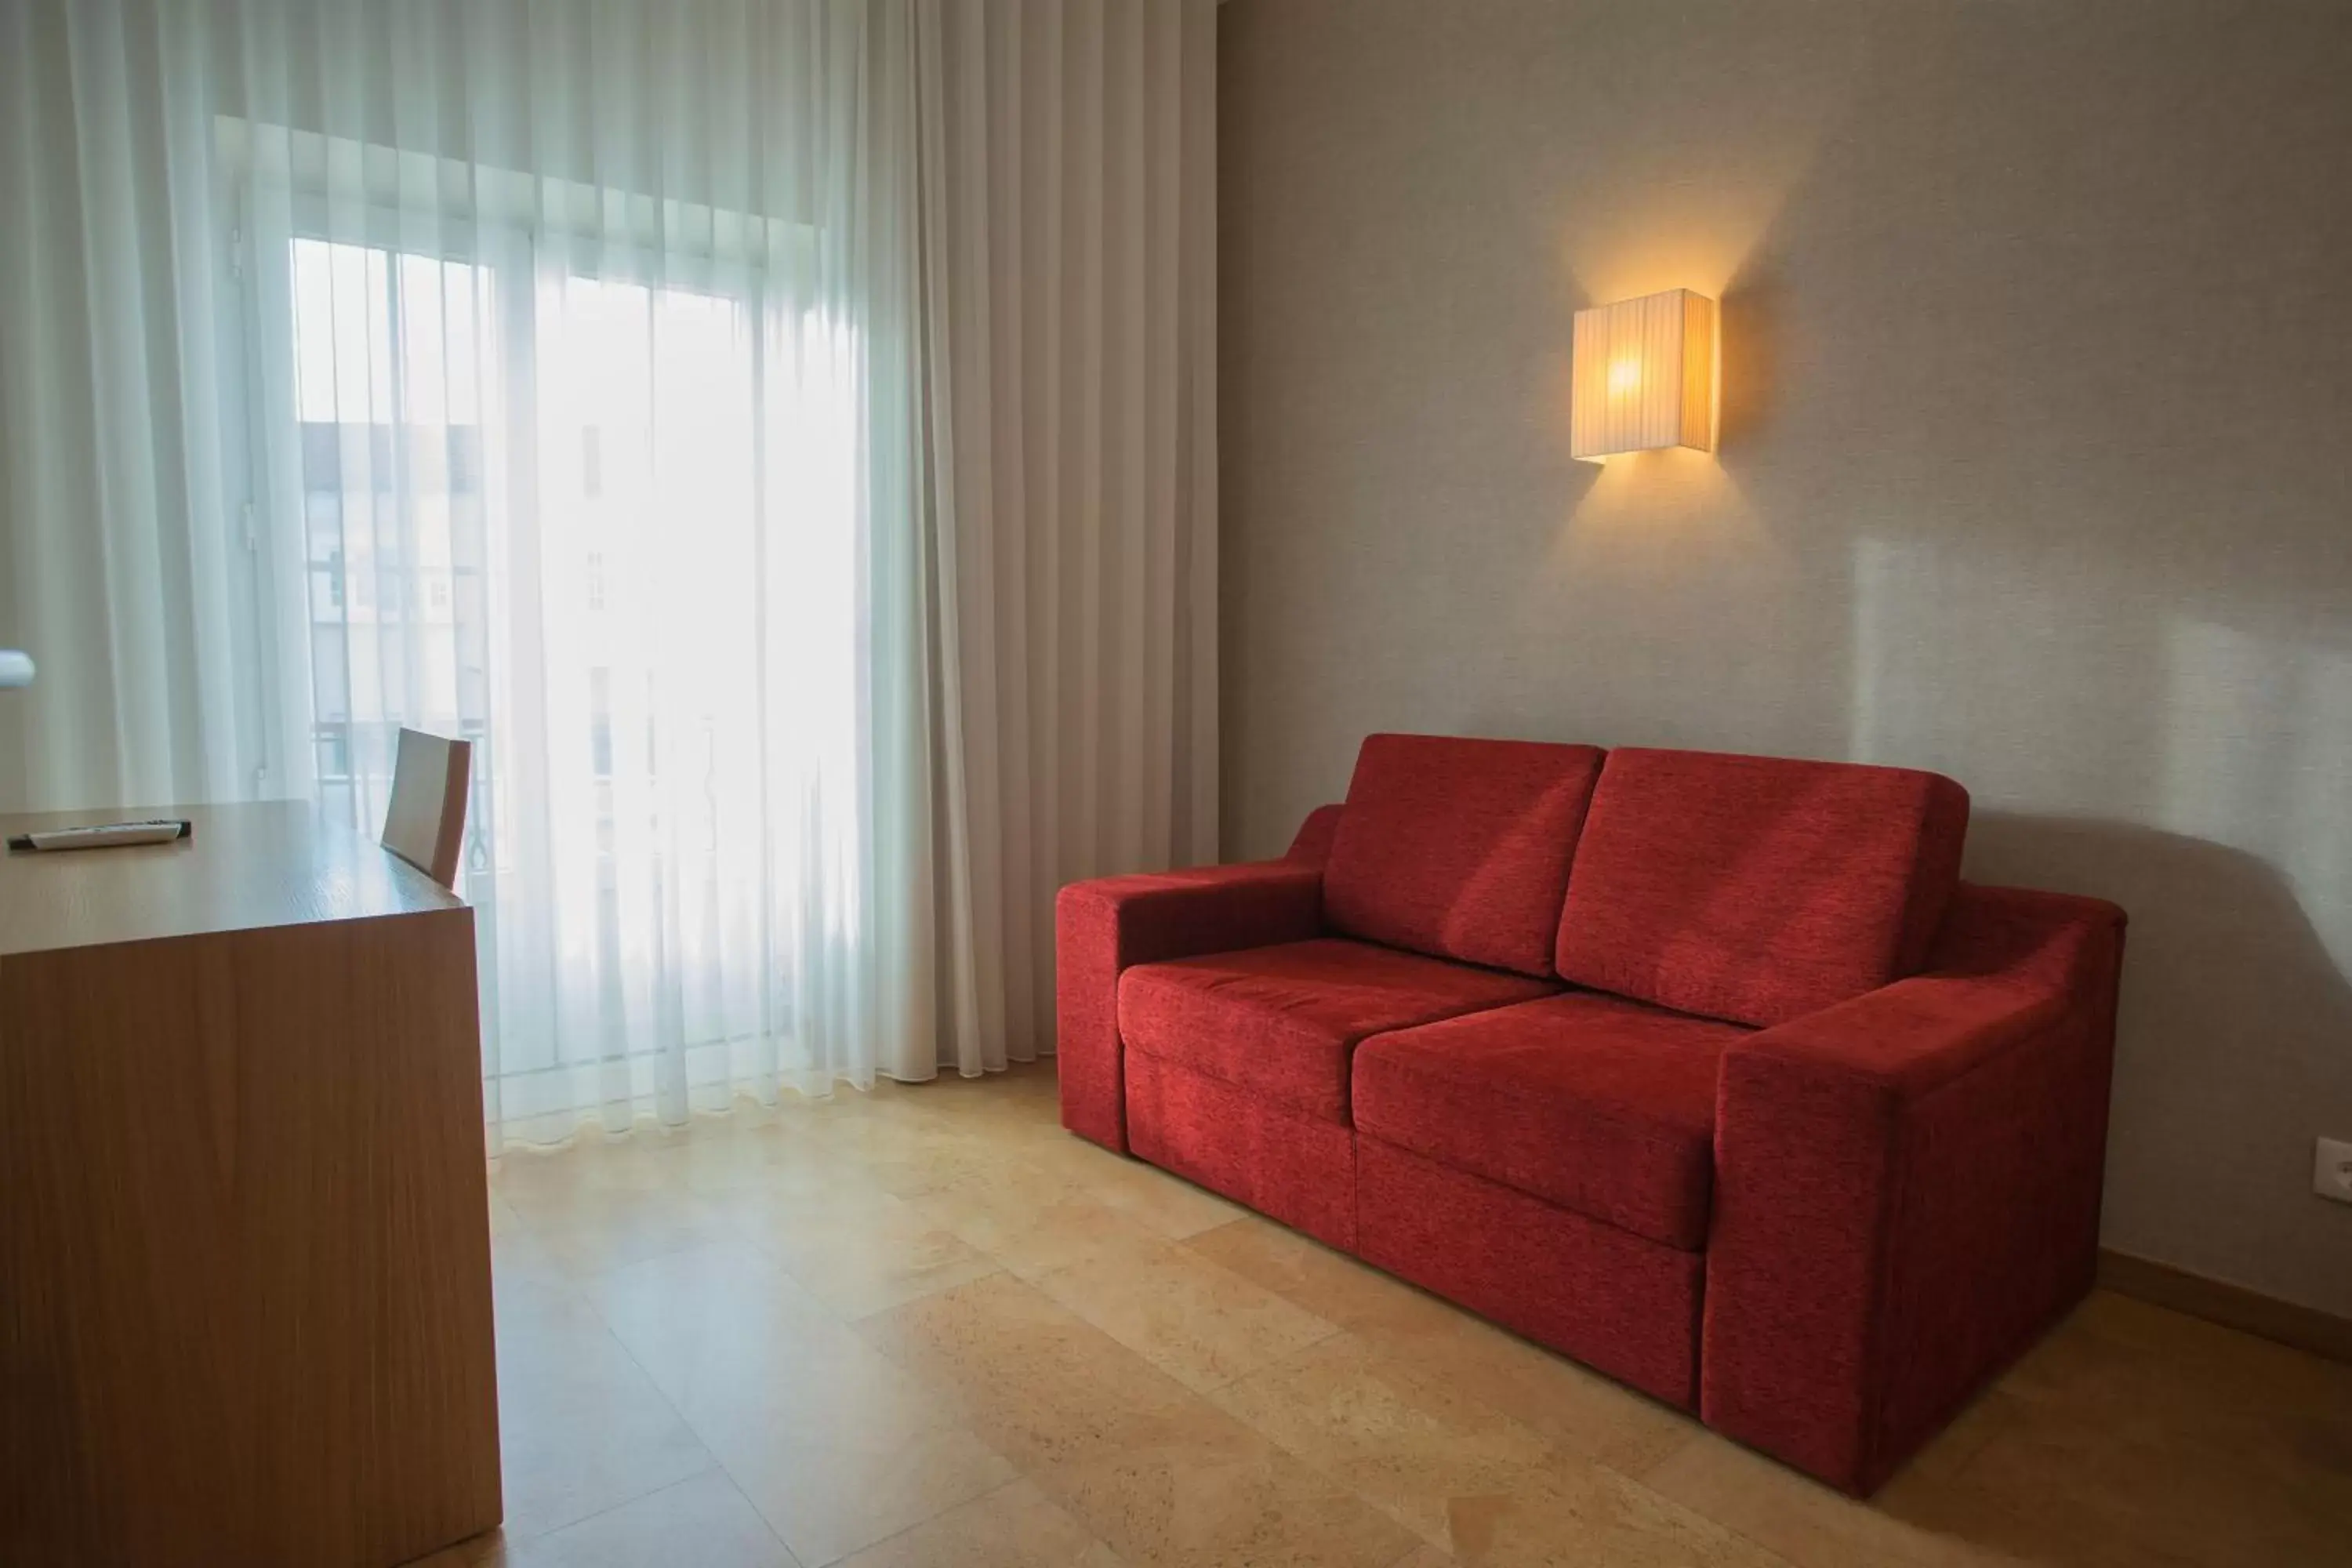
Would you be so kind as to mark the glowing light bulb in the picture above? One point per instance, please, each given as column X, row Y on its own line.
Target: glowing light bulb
column 1625, row 377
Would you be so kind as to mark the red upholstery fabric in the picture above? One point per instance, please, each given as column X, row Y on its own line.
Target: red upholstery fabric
column 1612, row 1300
column 1604, row 1106
column 1300, row 1170
column 1757, row 888
column 1312, row 846
column 1283, row 1021
column 1103, row 926
column 1459, row 848
column 1907, row 1187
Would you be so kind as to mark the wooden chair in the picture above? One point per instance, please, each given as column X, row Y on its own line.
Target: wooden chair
column 425, row 825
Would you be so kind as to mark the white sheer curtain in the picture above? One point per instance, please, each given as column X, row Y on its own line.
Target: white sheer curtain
column 1069, row 247
column 777, row 431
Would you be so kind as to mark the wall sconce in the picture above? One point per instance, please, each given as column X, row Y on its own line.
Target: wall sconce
column 1643, row 377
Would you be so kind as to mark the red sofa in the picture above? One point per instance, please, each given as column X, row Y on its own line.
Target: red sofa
column 1706, row 1070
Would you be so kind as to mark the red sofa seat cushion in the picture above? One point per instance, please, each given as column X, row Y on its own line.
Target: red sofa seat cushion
column 1595, row 1103
column 1459, row 848
column 1757, row 888
column 1282, row 1021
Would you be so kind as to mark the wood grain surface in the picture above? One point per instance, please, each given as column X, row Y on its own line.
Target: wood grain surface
column 243, row 1209
column 270, row 863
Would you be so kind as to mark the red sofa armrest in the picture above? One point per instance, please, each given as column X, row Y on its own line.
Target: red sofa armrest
column 1104, row 926
column 1312, row 846
column 1907, row 1187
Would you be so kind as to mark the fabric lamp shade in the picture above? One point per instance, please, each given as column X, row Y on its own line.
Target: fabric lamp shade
column 1644, row 376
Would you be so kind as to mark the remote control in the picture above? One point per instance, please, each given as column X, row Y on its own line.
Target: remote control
column 105, row 835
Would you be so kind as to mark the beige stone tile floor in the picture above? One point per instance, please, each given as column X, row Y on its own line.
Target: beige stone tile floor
column 925, row 1326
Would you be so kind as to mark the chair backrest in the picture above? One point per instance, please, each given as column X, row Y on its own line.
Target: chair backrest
column 425, row 825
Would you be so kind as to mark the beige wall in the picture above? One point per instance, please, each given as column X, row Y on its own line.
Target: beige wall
column 2036, row 468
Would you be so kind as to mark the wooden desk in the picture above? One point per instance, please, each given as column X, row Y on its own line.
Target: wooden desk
column 244, row 1260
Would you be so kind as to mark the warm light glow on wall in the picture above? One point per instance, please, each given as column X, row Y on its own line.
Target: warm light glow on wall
column 1643, row 377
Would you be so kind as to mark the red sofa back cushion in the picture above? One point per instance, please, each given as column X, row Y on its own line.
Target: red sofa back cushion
column 1757, row 888
column 1459, row 848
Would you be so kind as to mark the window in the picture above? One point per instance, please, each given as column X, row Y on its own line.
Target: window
column 422, row 379
column 587, row 496
column 600, row 723
column 391, row 394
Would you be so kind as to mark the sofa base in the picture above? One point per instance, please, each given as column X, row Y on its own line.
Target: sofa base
column 1296, row 1169
column 1618, row 1302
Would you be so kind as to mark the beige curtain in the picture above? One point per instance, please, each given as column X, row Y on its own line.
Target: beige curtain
column 1068, row 249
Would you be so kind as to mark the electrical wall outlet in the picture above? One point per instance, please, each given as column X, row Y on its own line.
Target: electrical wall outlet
column 2331, row 1170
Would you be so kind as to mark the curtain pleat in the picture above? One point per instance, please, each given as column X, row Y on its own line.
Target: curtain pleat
column 1069, row 198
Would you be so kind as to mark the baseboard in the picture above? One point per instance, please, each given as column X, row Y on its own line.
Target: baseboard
column 2232, row 1306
